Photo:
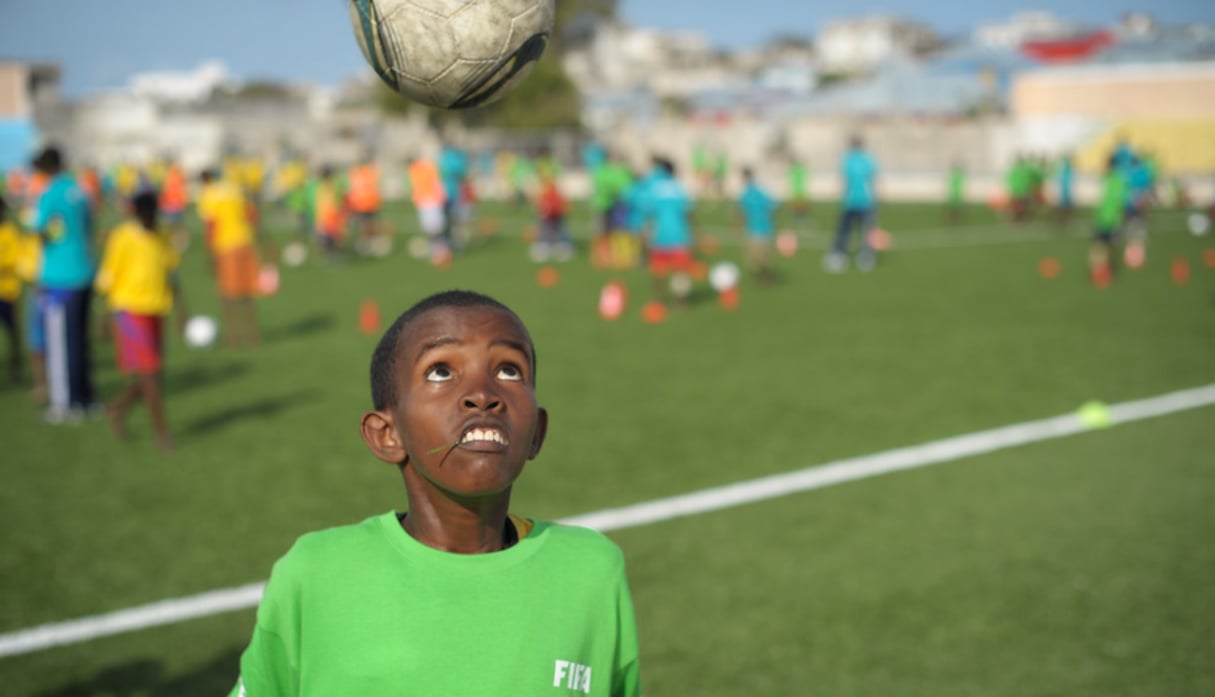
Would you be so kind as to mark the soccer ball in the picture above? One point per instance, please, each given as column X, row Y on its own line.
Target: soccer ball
column 723, row 276
column 201, row 331
column 452, row 54
column 295, row 254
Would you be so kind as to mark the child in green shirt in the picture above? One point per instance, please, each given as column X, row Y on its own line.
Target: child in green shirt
column 458, row 596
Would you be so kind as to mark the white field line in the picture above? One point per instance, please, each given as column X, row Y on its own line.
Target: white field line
column 821, row 238
column 851, row 469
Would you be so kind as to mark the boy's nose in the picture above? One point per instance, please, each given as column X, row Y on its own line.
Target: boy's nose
column 482, row 399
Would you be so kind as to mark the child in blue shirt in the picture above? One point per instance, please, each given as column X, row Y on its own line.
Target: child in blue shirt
column 758, row 210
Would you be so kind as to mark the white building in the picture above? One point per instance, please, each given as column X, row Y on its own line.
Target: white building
column 668, row 63
column 187, row 86
column 858, row 45
column 1022, row 27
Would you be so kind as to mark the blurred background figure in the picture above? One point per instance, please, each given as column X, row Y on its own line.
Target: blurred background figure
column 63, row 220
column 858, row 207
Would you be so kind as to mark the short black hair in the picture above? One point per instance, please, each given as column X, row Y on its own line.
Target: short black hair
column 665, row 164
column 49, row 161
column 384, row 358
column 146, row 205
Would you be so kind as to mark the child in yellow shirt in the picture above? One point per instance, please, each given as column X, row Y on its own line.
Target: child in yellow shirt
column 136, row 276
column 10, row 289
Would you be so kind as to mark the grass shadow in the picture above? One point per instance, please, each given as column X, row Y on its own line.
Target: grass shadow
column 202, row 375
column 147, row 677
column 261, row 408
column 312, row 324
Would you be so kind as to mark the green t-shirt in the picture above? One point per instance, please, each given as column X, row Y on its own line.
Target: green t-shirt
column 798, row 176
column 368, row 610
column 1112, row 204
column 608, row 185
column 956, row 184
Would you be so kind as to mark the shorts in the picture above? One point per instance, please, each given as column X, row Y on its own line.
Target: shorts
column 172, row 218
column 8, row 317
column 236, row 272
column 138, row 342
column 431, row 219
column 665, row 261
column 759, row 251
column 35, row 330
column 1104, row 235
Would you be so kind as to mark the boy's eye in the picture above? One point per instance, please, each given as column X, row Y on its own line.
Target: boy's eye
column 510, row 372
column 438, row 373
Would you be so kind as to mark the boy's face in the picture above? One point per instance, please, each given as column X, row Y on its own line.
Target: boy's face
column 466, row 418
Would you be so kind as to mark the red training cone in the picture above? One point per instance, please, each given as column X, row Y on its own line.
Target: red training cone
column 369, row 317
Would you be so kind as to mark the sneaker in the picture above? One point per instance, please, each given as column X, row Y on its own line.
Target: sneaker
column 835, row 262
column 865, row 261
column 60, row 415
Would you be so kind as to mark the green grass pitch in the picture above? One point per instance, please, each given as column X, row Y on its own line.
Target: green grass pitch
column 1078, row 566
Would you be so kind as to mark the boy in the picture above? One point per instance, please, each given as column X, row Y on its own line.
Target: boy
column 955, row 192
column 1067, row 175
column 64, row 222
column 1108, row 217
column 429, row 199
column 458, row 596
column 10, row 289
column 758, row 209
column 329, row 214
column 551, row 209
column 136, row 275
column 859, row 202
column 668, row 212
column 364, row 200
column 799, row 188
column 231, row 237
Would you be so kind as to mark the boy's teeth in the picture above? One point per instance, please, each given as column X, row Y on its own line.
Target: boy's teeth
column 483, row 434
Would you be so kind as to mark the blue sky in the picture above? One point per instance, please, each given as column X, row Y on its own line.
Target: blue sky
column 101, row 43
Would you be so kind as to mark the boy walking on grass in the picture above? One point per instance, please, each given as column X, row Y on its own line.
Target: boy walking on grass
column 458, row 596
column 136, row 276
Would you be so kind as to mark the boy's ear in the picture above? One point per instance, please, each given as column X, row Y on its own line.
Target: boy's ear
column 541, row 431
column 380, row 434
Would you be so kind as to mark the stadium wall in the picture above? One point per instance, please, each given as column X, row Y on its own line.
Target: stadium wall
column 1166, row 109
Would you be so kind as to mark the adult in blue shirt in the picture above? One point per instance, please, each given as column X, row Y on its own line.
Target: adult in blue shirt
column 859, row 173
column 64, row 221
column 758, row 210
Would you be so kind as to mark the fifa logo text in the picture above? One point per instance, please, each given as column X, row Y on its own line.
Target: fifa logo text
column 572, row 676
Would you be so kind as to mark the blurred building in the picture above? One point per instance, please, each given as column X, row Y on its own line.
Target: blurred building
column 1020, row 28
column 669, row 64
column 861, row 44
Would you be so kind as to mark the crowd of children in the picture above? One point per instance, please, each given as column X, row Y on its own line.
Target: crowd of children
column 641, row 217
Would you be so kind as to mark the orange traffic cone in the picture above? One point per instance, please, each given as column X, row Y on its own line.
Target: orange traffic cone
column 654, row 312
column 1049, row 267
column 547, row 277
column 1181, row 271
column 729, row 298
column 369, row 317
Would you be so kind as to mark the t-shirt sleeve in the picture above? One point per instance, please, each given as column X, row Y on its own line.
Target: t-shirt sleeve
column 42, row 213
column 626, row 674
column 268, row 667
column 111, row 262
